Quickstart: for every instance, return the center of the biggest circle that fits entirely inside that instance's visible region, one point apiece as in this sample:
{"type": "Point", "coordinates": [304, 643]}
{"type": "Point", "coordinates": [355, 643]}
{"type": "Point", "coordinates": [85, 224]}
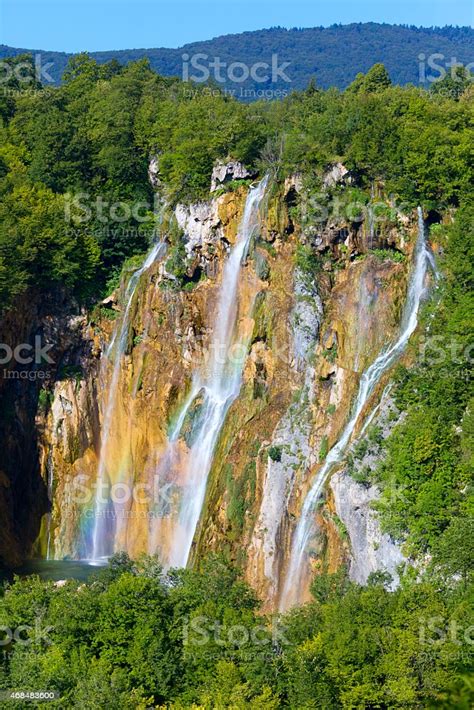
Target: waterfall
{"type": "Point", "coordinates": [305, 528]}
{"type": "Point", "coordinates": [50, 486]}
{"type": "Point", "coordinates": [371, 220]}
{"type": "Point", "coordinates": [50, 483]}
{"type": "Point", "coordinates": [214, 387]}
{"type": "Point", "coordinates": [293, 436]}
{"type": "Point", "coordinates": [102, 544]}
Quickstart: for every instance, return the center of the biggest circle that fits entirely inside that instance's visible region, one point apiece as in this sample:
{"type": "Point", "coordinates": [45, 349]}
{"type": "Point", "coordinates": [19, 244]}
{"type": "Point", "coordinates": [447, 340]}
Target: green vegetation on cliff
{"type": "Point", "coordinates": [427, 474]}
{"type": "Point", "coordinates": [74, 159]}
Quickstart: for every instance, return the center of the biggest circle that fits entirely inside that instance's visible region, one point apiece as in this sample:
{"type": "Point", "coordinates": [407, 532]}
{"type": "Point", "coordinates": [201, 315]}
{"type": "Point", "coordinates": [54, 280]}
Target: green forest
{"type": "Point", "coordinates": [94, 135]}
{"type": "Point", "coordinates": [195, 639]}
{"type": "Point", "coordinates": [132, 636]}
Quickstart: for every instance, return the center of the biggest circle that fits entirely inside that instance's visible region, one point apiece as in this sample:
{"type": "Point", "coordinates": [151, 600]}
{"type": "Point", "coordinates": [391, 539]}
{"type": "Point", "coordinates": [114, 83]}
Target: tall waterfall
{"type": "Point", "coordinates": [214, 387]}
{"type": "Point", "coordinates": [50, 487]}
{"type": "Point", "coordinates": [297, 566]}
{"type": "Point", "coordinates": [102, 536]}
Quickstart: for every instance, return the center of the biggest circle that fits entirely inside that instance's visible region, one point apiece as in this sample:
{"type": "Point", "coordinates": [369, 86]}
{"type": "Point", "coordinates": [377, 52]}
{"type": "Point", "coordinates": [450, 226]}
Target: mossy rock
{"type": "Point", "coordinates": [262, 267]}
{"type": "Point", "coordinates": [190, 430]}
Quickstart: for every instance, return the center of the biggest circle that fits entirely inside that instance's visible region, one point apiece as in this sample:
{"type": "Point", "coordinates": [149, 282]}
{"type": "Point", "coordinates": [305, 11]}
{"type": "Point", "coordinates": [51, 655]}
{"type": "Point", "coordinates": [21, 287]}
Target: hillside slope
{"type": "Point", "coordinates": [332, 55]}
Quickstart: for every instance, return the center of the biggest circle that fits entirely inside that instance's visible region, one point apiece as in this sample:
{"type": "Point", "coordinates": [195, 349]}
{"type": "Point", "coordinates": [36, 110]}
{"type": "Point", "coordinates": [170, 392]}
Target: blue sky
{"type": "Point", "coordinates": [74, 25]}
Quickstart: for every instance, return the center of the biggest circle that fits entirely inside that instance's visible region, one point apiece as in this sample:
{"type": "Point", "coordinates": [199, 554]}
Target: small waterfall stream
{"type": "Point", "coordinates": [297, 565]}
{"type": "Point", "coordinates": [50, 486]}
{"type": "Point", "coordinates": [102, 544]}
{"type": "Point", "coordinates": [214, 388]}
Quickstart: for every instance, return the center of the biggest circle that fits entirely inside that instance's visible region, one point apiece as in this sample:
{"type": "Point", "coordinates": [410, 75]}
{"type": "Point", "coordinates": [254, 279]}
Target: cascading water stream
{"type": "Point", "coordinates": [305, 528]}
{"type": "Point", "coordinates": [213, 390]}
{"type": "Point", "coordinates": [50, 485]}
{"type": "Point", "coordinates": [101, 547]}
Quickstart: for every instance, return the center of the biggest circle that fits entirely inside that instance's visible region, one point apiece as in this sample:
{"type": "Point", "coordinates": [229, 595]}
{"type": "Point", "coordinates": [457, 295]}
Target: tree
{"type": "Point", "coordinates": [376, 79]}
{"type": "Point", "coordinates": [454, 552]}
{"type": "Point", "coordinates": [454, 84]}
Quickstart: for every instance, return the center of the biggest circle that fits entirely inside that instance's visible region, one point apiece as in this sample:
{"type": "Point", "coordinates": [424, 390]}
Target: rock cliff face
{"type": "Point", "coordinates": [371, 550]}
{"type": "Point", "coordinates": [272, 445]}
{"type": "Point", "coordinates": [323, 307]}
{"type": "Point", "coordinates": [226, 172]}
{"type": "Point", "coordinates": [47, 332]}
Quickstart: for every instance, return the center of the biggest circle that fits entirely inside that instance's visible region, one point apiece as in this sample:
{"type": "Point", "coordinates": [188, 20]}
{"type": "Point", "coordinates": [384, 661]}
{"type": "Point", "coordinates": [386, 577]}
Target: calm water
{"type": "Point", "coordinates": [81, 570]}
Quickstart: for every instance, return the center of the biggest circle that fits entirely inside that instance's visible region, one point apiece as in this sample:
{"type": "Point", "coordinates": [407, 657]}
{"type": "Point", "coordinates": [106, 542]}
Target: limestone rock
{"type": "Point", "coordinates": [371, 550]}
{"type": "Point", "coordinates": [305, 321]}
{"type": "Point", "coordinates": [335, 175]}
{"type": "Point", "coordinates": [293, 183]}
{"type": "Point", "coordinates": [110, 301]}
{"type": "Point", "coordinates": [200, 222]}
{"type": "Point", "coordinates": [225, 172]}
{"type": "Point", "coordinates": [154, 172]}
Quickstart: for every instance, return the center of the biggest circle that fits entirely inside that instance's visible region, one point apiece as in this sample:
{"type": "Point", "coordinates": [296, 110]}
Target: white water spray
{"type": "Point", "coordinates": [50, 485]}
{"type": "Point", "coordinates": [214, 388]}
{"type": "Point", "coordinates": [305, 528]}
{"type": "Point", "coordinates": [101, 545]}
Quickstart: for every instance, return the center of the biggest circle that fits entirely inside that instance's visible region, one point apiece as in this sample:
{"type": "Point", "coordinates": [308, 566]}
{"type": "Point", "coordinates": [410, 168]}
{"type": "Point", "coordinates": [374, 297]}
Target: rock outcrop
{"type": "Point", "coordinates": [54, 324]}
{"type": "Point", "coordinates": [336, 174]}
{"type": "Point", "coordinates": [371, 550]}
{"type": "Point", "coordinates": [227, 171]}
{"type": "Point", "coordinates": [154, 172]}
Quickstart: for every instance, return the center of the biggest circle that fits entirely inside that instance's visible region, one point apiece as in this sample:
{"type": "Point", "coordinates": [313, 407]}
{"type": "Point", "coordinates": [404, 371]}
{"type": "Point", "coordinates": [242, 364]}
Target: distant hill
{"type": "Point", "coordinates": [331, 55]}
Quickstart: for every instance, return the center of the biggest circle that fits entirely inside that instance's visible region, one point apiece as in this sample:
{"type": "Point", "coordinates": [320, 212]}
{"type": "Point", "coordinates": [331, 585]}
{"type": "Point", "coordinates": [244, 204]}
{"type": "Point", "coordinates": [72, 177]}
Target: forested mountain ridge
{"type": "Point", "coordinates": [331, 55]}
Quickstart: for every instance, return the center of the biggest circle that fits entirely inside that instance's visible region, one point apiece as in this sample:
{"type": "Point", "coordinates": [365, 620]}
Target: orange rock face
{"type": "Point", "coordinates": [290, 409]}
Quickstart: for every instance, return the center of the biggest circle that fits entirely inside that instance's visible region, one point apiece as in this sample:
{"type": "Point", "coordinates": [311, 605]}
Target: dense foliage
{"type": "Point", "coordinates": [195, 639]}
{"type": "Point", "coordinates": [427, 474]}
{"type": "Point", "coordinates": [73, 159]}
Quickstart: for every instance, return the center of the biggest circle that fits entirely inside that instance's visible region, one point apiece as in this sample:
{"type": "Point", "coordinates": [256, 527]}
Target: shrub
{"type": "Point", "coordinates": [274, 452]}
{"type": "Point", "coordinates": [323, 449]}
